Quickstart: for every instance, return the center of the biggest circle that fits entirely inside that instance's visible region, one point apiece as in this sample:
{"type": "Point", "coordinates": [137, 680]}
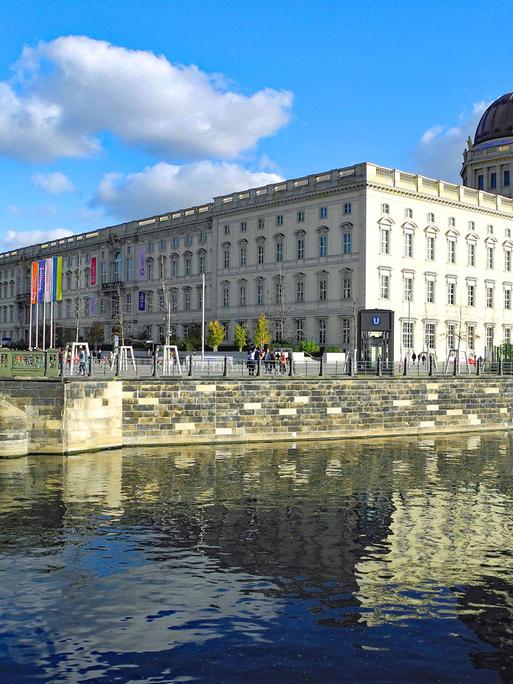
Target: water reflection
{"type": "Point", "coordinates": [338, 561]}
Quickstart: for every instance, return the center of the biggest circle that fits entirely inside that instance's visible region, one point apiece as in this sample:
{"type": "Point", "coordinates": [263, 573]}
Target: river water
{"type": "Point", "coordinates": [378, 561]}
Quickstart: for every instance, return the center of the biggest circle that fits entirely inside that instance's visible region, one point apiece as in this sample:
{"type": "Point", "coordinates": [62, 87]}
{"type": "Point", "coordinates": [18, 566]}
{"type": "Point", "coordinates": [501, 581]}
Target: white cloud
{"type": "Point", "coordinates": [68, 91]}
{"type": "Point", "coordinates": [440, 149]}
{"type": "Point", "coordinates": [53, 183]}
{"type": "Point", "coordinates": [164, 187]}
{"type": "Point", "coordinates": [22, 238]}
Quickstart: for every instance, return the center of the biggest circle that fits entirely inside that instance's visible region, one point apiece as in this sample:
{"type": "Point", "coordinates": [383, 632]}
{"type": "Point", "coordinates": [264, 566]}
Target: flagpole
{"type": "Point", "coordinates": [30, 326]}
{"type": "Point", "coordinates": [51, 341]}
{"type": "Point", "coordinates": [202, 316]}
{"type": "Point", "coordinates": [44, 324]}
{"type": "Point", "coordinates": [37, 323]}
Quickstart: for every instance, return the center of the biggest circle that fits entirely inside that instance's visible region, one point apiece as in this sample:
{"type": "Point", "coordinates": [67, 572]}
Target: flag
{"type": "Point", "coordinates": [33, 282]}
{"type": "Point", "coordinates": [142, 301]}
{"type": "Point", "coordinates": [41, 281]}
{"type": "Point", "coordinates": [142, 263]}
{"type": "Point", "coordinates": [93, 270]}
{"type": "Point", "coordinates": [57, 279]}
{"type": "Point", "coordinates": [48, 293]}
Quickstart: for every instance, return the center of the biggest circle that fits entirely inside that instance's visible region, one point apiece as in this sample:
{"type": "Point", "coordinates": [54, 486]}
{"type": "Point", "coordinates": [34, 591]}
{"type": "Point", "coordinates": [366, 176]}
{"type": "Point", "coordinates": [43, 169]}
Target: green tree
{"type": "Point", "coordinates": [215, 334]}
{"type": "Point", "coordinates": [95, 334]}
{"type": "Point", "coordinates": [240, 335]}
{"type": "Point", "coordinates": [310, 346]}
{"type": "Point", "coordinates": [262, 334]}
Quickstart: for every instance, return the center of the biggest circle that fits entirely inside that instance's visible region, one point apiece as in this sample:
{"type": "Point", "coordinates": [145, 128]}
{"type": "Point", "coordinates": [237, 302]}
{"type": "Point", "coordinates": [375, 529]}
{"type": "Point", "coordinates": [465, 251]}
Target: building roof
{"type": "Point", "coordinates": [497, 121]}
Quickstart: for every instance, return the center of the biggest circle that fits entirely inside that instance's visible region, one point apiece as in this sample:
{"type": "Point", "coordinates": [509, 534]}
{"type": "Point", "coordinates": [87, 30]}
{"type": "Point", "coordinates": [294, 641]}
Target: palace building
{"type": "Point", "coordinates": [308, 252]}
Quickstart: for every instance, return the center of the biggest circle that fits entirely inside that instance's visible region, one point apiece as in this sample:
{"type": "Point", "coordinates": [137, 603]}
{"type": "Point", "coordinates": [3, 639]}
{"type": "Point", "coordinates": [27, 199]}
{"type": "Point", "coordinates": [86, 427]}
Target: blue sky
{"type": "Point", "coordinates": [111, 110]}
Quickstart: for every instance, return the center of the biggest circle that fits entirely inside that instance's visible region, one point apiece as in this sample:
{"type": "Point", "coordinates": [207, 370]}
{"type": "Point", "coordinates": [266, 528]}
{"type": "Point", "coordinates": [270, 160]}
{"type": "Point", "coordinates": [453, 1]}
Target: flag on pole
{"type": "Point", "coordinates": [93, 270]}
{"type": "Point", "coordinates": [57, 279]}
{"type": "Point", "coordinates": [48, 293]}
{"type": "Point", "coordinates": [33, 282]}
{"type": "Point", "coordinates": [41, 281]}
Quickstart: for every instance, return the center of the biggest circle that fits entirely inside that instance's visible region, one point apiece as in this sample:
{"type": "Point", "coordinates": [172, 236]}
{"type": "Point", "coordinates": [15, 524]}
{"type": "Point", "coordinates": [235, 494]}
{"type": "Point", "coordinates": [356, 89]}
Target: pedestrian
{"type": "Point", "coordinates": [82, 361]}
{"type": "Point", "coordinates": [414, 357]}
{"type": "Point", "coordinates": [283, 362]}
{"type": "Point", "coordinates": [250, 362]}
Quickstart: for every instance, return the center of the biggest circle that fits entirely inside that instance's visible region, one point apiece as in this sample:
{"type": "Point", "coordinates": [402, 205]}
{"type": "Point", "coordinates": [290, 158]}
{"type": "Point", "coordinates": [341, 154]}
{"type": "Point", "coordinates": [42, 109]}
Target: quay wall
{"type": "Point", "coordinates": [66, 416]}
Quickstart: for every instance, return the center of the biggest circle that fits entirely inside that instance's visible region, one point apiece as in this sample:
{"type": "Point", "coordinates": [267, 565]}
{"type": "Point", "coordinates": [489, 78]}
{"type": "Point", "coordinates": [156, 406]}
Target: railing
{"type": "Point", "coordinates": [31, 364]}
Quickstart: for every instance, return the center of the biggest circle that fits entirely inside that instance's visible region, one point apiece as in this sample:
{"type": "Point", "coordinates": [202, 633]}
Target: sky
{"type": "Point", "coordinates": [113, 110]}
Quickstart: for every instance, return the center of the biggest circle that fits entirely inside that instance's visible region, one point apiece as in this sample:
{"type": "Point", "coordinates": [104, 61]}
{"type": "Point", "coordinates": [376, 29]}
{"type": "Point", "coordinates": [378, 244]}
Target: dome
{"type": "Point", "coordinates": [497, 121]}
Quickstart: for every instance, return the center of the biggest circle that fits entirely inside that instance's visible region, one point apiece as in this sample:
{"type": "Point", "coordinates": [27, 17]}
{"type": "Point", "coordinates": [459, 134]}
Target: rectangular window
{"type": "Point", "coordinates": [128, 302]}
{"type": "Point", "coordinates": [279, 251]}
{"type": "Point", "coordinates": [408, 244]}
{"type": "Point", "coordinates": [260, 253]}
{"type": "Point", "coordinates": [471, 254]}
{"type": "Point", "coordinates": [385, 241]}
{"type": "Point", "coordinates": [507, 299]}
{"type": "Point", "coordinates": [385, 286]}
{"type": "Point", "coordinates": [226, 295]}
{"type": "Point", "coordinates": [323, 289]}
{"type": "Point", "coordinates": [489, 337]}
{"type": "Point", "coordinates": [346, 331]}
{"type": "Point", "coordinates": [451, 251]}
{"type": "Point", "coordinates": [279, 220]}
{"type": "Point", "coordinates": [471, 294]}
{"type": "Point", "coordinates": [346, 287]}
{"type": "Point", "coordinates": [201, 263]}
{"type": "Point", "coordinates": [430, 291]}
{"type": "Point", "coordinates": [430, 336]}
{"type": "Point", "coordinates": [408, 213]}
{"type": "Point", "coordinates": [227, 229]}
{"type": "Point", "coordinates": [489, 297]}
{"type": "Point", "coordinates": [430, 248]}
{"type": "Point", "coordinates": [323, 212]}
{"type": "Point", "coordinates": [129, 270]}
{"type": "Point", "coordinates": [260, 293]}
{"type": "Point", "coordinates": [300, 329]}
{"type": "Point", "coordinates": [243, 256]}
{"type": "Point", "coordinates": [174, 300]}
{"type": "Point", "coordinates": [471, 337]}
{"type": "Point", "coordinates": [507, 260]}
{"type": "Point", "coordinates": [323, 245]}
{"type": "Point", "coordinates": [300, 216]}
{"type": "Point", "coordinates": [226, 258]}
{"type": "Point", "coordinates": [407, 335]}
{"type": "Point", "coordinates": [451, 336]}
{"type": "Point", "coordinates": [174, 268]}
{"type": "Point", "coordinates": [451, 293]}
{"type": "Point", "coordinates": [243, 227]}
{"type": "Point", "coordinates": [347, 208]}
{"type": "Point", "coordinates": [300, 291]}
{"type": "Point", "coordinates": [506, 179]}
{"type": "Point", "coordinates": [176, 241]}
{"type": "Point", "coordinates": [242, 295]}
{"type": "Point", "coordinates": [385, 209]}
{"type": "Point", "coordinates": [322, 331]}
{"type": "Point", "coordinates": [300, 248]}
{"type": "Point", "coordinates": [493, 181]}
{"type": "Point", "coordinates": [507, 335]}
{"type": "Point", "coordinates": [480, 182]}
{"type": "Point", "coordinates": [162, 245]}
{"type": "Point", "coordinates": [408, 289]}
{"type": "Point", "coordinates": [489, 257]}
{"type": "Point", "coordinates": [261, 223]}
{"type": "Point", "coordinates": [187, 300]}
{"type": "Point", "coordinates": [347, 242]}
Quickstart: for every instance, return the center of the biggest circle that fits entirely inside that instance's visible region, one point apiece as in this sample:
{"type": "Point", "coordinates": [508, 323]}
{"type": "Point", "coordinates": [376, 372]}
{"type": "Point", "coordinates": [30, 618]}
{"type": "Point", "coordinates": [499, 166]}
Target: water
{"type": "Point", "coordinates": [386, 561]}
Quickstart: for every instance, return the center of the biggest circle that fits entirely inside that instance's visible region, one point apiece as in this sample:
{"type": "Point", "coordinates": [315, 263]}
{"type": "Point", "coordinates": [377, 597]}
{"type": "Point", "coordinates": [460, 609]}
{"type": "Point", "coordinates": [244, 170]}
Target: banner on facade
{"type": "Point", "coordinates": [142, 263]}
{"type": "Point", "coordinates": [41, 281]}
{"type": "Point", "coordinates": [34, 273]}
{"type": "Point", "coordinates": [142, 301]}
{"type": "Point", "coordinates": [93, 270]}
{"type": "Point", "coordinates": [48, 293]}
{"type": "Point", "coordinates": [57, 279]}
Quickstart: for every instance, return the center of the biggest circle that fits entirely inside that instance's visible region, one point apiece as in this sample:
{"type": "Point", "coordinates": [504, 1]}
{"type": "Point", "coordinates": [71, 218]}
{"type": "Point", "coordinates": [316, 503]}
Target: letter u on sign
{"type": "Point", "coordinates": [376, 320]}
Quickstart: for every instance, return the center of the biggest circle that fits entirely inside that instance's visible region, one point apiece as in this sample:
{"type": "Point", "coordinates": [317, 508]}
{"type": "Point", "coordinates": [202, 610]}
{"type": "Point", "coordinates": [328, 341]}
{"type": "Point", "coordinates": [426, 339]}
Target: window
{"type": "Point", "coordinates": [300, 247]}
{"type": "Point", "coordinates": [300, 329]}
{"type": "Point", "coordinates": [408, 244]}
{"type": "Point", "coordinates": [322, 331]}
{"type": "Point", "coordinates": [260, 292]}
{"type": "Point", "coordinates": [451, 251]}
{"type": "Point", "coordinates": [129, 270]}
{"type": "Point", "coordinates": [174, 266]}
{"type": "Point", "coordinates": [471, 294]}
{"type": "Point", "coordinates": [346, 331]}
{"type": "Point", "coordinates": [176, 241]}
{"type": "Point", "coordinates": [150, 247]}
{"type": "Point", "coordinates": [278, 289]}
{"type": "Point", "coordinates": [162, 301]}
{"type": "Point", "coordinates": [471, 337]}
{"type": "Point", "coordinates": [279, 220]}
{"type": "Point", "coordinates": [242, 294]}
{"type": "Point", "coordinates": [507, 232]}
{"type": "Point", "coordinates": [188, 264]}
{"type": "Point", "coordinates": [243, 255]}
{"type": "Point", "coordinates": [323, 289]}
{"type": "Point", "coordinates": [323, 245]}
{"type": "Point", "coordinates": [489, 257]}
{"type": "Point", "coordinates": [471, 254]}
{"type": "Point", "coordinates": [506, 179]}
{"type": "Point", "coordinates": [323, 212]}
{"type": "Point", "coordinates": [430, 291]}
{"type": "Point", "coordinates": [149, 302]}
{"type": "Point", "coordinates": [226, 257]}
{"type": "Point", "coordinates": [200, 297]}
{"type": "Point", "coordinates": [87, 307]}
{"type": "Point", "coordinates": [243, 227]}
{"type": "Point", "coordinates": [150, 269]}
{"type": "Point", "coordinates": [471, 225]}
{"type": "Point", "coordinates": [300, 216]}
{"type": "Point", "coordinates": [431, 217]}
{"type": "Point", "coordinates": [507, 335]}
{"type": "Point", "coordinates": [347, 208]}
{"type": "Point", "coordinates": [347, 242]}
{"type": "Point", "coordinates": [407, 335]}
{"type": "Point", "coordinates": [226, 295]}
{"type": "Point", "coordinates": [261, 223]}
{"type": "Point", "coordinates": [279, 250]}
{"type": "Point", "coordinates": [430, 336]}
{"type": "Point", "coordinates": [188, 239]}
{"type": "Point", "coordinates": [489, 229]}
{"type": "Point", "coordinates": [385, 209]}
{"type": "Point", "coordinates": [480, 182]}
{"type": "Point", "coordinates": [202, 239]}
{"type": "Point", "coordinates": [493, 181]}
{"type": "Point", "coordinates": [300, 291]}
{"type": "Point", "coordinates": [174, 300]}
{"type": "Point", "coordinates": [227, 229]}
{"type": "Point", "coordinates": [451, 293]}
{"type": "Point", "coordinates": [385, 286]}
{"type": "Point", "coordinates": [162, 245]}
{"type": "Point", "coordinates": [507, 260]}
{"type": "Point", "coordinates": [260, 253]}
{"type": "Point", "coordinates": [162, 267]}
{"type": "Point", "coordinates": [408, 289]}
{"type": "Point", "coordinates": [385, 240]}
{"type": "Point", "coordinates": [408, 213]}
{"type": "Point", "coordinates": [430, 248]}
{"type": "Point", "coordinates": [489, 337]}
{"type": "Point", "coordinates": [451, 336]}
{"type": "Point", "coordinates": [489, 297]}
{"type": "Point", "coordinates": [202, 262]}
{"type": "Point", "coordinates": [507, 298]}
{"type": "Point", "coordinates": [187, 299]}
{"type": "Point", "coordinates": [346, 287]}
{"type": "Point", "coordinates": [452, 221]}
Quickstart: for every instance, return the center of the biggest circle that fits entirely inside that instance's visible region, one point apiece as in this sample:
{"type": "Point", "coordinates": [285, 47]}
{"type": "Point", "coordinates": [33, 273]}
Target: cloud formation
{"type": "Point", "coordinates": [54, 183]}
{"type": "Point", "coordinates": [22, 238]}
{"type": "Point", "coordinates": [164, 187]}
{"type": "Point", "coordinates": [440, 149]}
{"type": "Point", "coordinates": [68, 91]}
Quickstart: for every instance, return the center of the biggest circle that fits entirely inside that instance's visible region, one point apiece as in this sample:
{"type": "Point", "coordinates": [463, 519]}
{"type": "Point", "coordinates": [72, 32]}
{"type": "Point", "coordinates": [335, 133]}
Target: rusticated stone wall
{"type": "Point", "coordinates": [64, 416]}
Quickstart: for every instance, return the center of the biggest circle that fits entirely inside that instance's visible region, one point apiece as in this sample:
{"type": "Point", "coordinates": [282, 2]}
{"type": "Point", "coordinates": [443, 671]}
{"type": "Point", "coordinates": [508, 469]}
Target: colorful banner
{"type": "Point", "coordinates": [93, 270]}
{"type": "Point", "coordinates": [142, 263]}
{"type": "Point", "coordinates": [41, 281]}
{"type": "Point", "coordinates": [33, 282]}
{"type": "Point", "coordinates": [57, 279]}
{"type": "Point", "coordinates": [142, 301]}
{"type": "Point", "coordinates": [48, 293]}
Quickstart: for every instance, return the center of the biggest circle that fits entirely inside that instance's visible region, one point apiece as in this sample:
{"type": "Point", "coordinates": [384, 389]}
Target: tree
{"type": "Point", "coordinates": [240, 335]}
{"type": "Point", "coordinates": [310, 346]}
{"type": "Point", "coordinates": [215, 334]}
{"type": "Point", "coordinates": [95, 333]}
{"type": "Point", "coordinates": [262, 334]}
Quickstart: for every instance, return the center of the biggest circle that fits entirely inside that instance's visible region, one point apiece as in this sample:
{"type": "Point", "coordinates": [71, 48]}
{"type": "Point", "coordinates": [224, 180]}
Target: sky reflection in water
{"type": "Point", "coordinates": [387, 561]}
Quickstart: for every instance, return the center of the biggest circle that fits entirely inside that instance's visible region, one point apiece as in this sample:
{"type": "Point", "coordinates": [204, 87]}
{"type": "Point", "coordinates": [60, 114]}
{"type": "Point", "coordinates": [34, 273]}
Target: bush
{"type": "Point", "coordinates": [333, 348]}
{"type": "Point", "coordinates": [310, 347]}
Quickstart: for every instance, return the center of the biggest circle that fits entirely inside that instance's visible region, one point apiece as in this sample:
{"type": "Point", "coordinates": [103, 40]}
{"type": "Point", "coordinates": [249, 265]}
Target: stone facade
{"type": "Point", "coordinates": [66, 417]}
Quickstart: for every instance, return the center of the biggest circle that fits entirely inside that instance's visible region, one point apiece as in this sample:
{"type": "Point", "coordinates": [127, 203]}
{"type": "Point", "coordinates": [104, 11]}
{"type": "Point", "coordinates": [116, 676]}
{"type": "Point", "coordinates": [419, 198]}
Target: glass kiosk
{"type": "Point", "coordinates": [375, 339]}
